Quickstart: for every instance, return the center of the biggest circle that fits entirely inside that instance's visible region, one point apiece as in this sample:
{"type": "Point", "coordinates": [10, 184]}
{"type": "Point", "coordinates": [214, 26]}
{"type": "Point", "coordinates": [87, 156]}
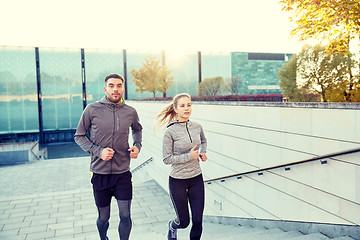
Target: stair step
{"type": "Point", "coordinates": [313, 236]}
{"type": "Point", "coordinates": [256, 235]}
{"type": "Point", "coordinates": [283, 235]}
{"type": "Point", "coordinates": [343, 238]}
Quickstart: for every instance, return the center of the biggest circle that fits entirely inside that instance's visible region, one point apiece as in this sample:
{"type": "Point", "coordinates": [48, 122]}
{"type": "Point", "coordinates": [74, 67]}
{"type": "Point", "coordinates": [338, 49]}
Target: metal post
{"type": "Point", "coordinates": [83, 77]}
{"type": "Point", "coordinates": [125, 73]}
{"type": "Point", "coordinates": [199, 65]}
{"type": "Point", "coordinates": [39, 96]}
{"type": "Point", "coordinates": [163, 63]}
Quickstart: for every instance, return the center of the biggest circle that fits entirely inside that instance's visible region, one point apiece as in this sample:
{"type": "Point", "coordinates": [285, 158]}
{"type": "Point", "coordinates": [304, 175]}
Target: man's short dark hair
{"type": "Point", "coordinates": [114, 75]}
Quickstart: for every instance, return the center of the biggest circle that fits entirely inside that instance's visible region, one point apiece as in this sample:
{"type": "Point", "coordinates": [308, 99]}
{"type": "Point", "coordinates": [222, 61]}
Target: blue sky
{"type": "Point", "coordinates": [187, 25]}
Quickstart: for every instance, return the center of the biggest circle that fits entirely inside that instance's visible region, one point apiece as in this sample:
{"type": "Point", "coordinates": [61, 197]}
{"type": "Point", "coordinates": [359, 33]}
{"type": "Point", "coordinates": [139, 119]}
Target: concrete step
{"type": "Point", "coordinates": [343, 238]}
{"type": "Point", "coordinates": [258, 234]}
{"type": "Point", "coordinates": [214, 231]}
{"type": "Point", "coordinates": [313, 236]}
{"type": "Point", "coordinates": [281, 235]}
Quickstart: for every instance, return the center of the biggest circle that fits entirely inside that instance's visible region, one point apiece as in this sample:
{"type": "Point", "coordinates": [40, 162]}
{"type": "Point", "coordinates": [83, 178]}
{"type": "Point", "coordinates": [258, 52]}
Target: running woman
{"type": "Point", "coordinates": [184, 145]}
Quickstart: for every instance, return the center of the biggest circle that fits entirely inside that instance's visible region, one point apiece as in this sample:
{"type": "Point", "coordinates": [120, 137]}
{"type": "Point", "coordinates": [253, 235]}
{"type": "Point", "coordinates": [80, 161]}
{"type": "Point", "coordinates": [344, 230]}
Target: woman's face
{"type": "Point", "coordinates": [183, 109]}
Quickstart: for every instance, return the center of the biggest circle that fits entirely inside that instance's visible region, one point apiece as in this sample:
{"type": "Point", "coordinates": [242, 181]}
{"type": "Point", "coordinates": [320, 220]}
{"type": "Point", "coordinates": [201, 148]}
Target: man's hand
{"type": "Point", "coordinates": [107, 154]}
{"type": "Point", "coordinates": [134, 152]}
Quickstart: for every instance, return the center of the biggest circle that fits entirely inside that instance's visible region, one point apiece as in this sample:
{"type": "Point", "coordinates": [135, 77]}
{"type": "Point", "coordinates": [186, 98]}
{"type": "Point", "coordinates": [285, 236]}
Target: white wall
{"type": "Point", "coordinates": [246, 137]}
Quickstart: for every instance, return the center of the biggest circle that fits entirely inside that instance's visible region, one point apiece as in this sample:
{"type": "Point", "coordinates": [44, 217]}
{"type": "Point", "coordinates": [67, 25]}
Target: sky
{"type": "Point", "coordinates": [186, 25]}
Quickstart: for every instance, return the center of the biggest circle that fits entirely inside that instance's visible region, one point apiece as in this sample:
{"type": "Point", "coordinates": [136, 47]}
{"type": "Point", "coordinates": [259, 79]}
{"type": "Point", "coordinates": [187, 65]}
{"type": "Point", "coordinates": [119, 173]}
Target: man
{"type": "Point", "coordinates": [109, 121]}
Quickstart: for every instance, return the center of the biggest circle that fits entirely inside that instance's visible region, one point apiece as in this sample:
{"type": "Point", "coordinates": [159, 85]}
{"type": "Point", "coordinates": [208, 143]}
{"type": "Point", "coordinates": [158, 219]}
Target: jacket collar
{"type": "Point", "coordinates": [176, 122]}
{"type": "Point", "coordinates": [104, 100]}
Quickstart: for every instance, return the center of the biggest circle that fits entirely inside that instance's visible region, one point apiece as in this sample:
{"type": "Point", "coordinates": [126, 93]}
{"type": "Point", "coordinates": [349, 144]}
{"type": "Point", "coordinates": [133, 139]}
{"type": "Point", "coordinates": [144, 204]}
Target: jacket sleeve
{"type": "Point", "coordinates": [168, 151]}
{"type": "Point", "coordinates": [136, 130]}
{"type": "Point", "coordinates": [81, 138]}
{"type": "Point", "coordinates": [203, 141]}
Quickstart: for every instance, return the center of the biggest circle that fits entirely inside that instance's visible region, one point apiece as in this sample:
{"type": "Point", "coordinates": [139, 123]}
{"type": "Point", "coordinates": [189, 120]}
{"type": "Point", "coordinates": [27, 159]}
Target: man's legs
{"type": "Point", "coordinates": [125, 219]}
{"type": "Point", "coordinates": [102, 196]}
{"type": "Point", "coordinates": [102, 222]}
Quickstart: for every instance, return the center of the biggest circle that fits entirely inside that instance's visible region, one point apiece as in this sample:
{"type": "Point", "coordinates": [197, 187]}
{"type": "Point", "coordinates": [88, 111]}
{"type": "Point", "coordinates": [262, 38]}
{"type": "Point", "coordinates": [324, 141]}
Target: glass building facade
{"type": "Point", "coordinates": [44, 90]}
{"type": "Point", "coordinates": [258, 71]}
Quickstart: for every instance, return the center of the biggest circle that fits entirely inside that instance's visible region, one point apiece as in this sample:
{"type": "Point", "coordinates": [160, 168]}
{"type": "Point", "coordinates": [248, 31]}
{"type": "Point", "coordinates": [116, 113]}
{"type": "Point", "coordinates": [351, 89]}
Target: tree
{"type": "Point", "coordinates": [287, 77]}
{"type": "Point", "coordinates": [152, 77]}
{"type": "Point", "coordinates": [166, 81]}
{"type": "Point", "coordinates": [233, 85]}
{"type": "Point", "coordinates": [314, 71]}
{"type": "Point", "coordinates": [333, 20]}
{"type": "Point", "coordinates": [288, 84]}
{"type": "Point", "coordinates": [211, 86]}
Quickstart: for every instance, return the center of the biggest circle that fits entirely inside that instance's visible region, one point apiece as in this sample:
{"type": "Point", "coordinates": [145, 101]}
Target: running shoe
{"type": "Point", "coordinates": [172, 232]}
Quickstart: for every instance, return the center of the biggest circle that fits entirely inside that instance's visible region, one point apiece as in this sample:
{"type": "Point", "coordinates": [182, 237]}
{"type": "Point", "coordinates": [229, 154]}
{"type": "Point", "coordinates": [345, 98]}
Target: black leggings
{"type": "Point", "coordinates": [184, 192]}
{"type": "Point", "coordinates": [125, 223]}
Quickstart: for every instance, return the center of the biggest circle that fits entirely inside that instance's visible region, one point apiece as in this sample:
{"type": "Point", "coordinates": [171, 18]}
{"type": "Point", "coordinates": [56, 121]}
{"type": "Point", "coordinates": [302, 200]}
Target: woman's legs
{"type": "Point", "coordinates": [196, 195]}
{"type": "Point", "coordinates": [182, 192]}
{"type": "Point", "coordinates": [102, 222]}
{"type": "Point", "coordinates": [125, 219]}
{"type": "Point", "coordinates": [179, 197]}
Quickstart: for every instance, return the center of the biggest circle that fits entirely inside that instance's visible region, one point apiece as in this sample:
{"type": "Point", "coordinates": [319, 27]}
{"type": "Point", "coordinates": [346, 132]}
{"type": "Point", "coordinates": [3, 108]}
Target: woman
{"type": "Point", "coordinates": [184, 144]}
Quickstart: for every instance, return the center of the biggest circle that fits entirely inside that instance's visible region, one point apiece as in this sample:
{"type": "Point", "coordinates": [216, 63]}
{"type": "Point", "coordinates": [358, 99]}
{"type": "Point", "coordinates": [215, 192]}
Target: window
{"type": "Point", "coordinates": [266, 56]}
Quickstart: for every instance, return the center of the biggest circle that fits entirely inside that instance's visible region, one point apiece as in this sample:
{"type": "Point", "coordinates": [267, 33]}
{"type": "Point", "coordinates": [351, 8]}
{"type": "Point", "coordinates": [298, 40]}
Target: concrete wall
{"type": "Point", "coordinates": [20, 152]}
{"type": "Point", "coordinates": [249, 136]}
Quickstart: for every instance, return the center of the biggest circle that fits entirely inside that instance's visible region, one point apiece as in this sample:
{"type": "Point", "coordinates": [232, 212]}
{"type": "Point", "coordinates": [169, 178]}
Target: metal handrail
{"type": "Point", "coordinates": [142, 165]}
{"type": "Point", "coordinates": [331, 155]}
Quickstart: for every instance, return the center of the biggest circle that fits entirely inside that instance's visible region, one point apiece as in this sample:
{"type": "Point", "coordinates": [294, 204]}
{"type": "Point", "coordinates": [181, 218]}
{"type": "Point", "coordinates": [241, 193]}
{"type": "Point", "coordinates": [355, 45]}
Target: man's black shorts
{"type": "Point", "coordinates": [107, 185]}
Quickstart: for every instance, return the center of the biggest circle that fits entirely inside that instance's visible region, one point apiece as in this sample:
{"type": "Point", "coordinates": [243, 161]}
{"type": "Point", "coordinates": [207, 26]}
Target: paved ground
{"type": "Point", "coordinates": [52, 199]}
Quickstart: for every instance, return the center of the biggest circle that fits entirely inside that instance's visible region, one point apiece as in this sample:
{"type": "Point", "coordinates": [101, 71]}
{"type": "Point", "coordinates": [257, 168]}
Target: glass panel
{"type": "Point", "coordinates": [135, 60]}
{"type": "Point", "coordinates": [99, 64]}
{"type": "Point", "coordinates": [216, 64]}
{"type": "Point", "coordinates": [259, 76]}
{"type": "Point", "coordinates": [61, 87]}
{"type": "Point", "coordinates": [184, 67]}
{"type": "Point", "coordinates": [18, 99]}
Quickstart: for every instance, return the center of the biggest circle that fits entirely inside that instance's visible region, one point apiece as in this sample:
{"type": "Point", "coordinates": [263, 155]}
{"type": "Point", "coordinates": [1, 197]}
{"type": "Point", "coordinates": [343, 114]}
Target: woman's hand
{"type": "Point", "coordinates": [194, 153]}
{"type": "Point", "coordinates": [203, 157]}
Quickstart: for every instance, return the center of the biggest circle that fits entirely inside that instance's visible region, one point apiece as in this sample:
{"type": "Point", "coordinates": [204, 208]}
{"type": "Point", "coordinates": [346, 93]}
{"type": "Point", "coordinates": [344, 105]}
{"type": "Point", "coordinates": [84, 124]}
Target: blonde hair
{"type": "Point", "coordinates": [167, 114]}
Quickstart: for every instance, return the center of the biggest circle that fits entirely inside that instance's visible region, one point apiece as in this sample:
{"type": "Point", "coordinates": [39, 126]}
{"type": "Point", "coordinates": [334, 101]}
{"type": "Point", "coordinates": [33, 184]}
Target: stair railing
{"type": "Point", "coordinates": [321, 158]}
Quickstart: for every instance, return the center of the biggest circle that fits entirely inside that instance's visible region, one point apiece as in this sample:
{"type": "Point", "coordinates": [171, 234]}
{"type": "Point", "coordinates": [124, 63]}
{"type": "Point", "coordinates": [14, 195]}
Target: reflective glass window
{"type": "Point", "coordinates": [135, 60]}
{"type": "Point", "coordinates": [61, 86]}
{"type": "Point", "coordinates": [99, 64]}
{"type": "Point", "coordinates": [216, 64]}
{"type": "Point", "coordinates": [18, 87]}
{"type": "Point", "coordinates": [184, 67]}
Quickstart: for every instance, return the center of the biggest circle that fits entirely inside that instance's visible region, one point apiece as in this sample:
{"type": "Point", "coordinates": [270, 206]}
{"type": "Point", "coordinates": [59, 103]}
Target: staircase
{"type": "Point", "coordinates": [151, 224]}
{"type": "Point", "coordinates": [213, 231]}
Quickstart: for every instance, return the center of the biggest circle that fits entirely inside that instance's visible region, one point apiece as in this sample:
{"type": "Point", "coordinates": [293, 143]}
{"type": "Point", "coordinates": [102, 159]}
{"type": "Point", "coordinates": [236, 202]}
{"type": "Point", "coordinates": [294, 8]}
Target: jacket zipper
{"type": "Point", "coordinates": [186, 125]}
{"type": "Point", "coordinates": [112, 141]}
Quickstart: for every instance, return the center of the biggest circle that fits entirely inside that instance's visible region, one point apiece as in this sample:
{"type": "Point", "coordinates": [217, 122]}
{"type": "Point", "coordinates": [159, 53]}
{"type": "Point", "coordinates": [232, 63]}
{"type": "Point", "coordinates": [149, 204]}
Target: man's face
{"type": "Point", "coordinates": [114, 89]}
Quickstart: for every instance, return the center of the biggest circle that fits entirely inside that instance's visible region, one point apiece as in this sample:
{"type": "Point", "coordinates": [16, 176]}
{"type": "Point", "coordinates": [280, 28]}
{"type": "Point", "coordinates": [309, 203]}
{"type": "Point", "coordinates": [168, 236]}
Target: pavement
{"type": "Point", "coordinates": [52, 199]}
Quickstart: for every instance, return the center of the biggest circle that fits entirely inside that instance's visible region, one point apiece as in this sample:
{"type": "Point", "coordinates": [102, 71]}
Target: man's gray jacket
{"type": "Point", "coordinates": [109, 125]}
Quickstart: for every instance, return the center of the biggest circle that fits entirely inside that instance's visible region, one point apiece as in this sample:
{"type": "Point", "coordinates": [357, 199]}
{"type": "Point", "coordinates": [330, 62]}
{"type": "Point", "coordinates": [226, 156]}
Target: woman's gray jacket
{"type": "Point", "coordinates": [179, 139]}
